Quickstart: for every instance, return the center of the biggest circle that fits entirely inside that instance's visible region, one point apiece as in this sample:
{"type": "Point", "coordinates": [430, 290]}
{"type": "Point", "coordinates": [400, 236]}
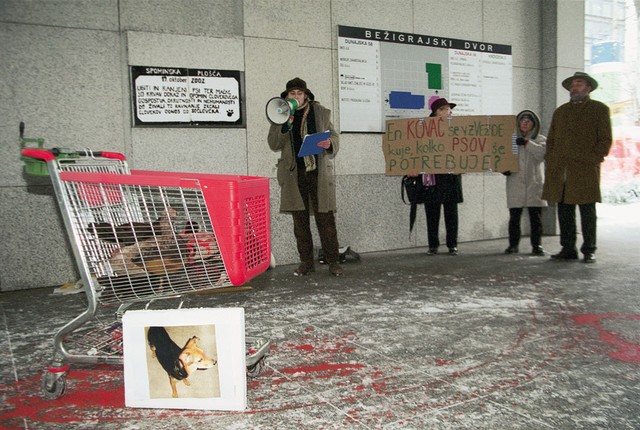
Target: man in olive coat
{"type": "Point", "coordinates": [578, 140]}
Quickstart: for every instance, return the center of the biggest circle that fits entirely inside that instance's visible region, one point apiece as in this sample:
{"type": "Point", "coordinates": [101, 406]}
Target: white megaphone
{"type": "Point", "coordinates": [279, 110]}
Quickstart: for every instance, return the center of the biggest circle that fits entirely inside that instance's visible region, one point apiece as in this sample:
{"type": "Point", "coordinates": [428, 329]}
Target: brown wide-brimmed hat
{"type": "Point", "coordinates": [580, 75]}
{"type": "Point", "coordinates": [437, 104]}
{"type": "Point", "coordinates": [297, 84]}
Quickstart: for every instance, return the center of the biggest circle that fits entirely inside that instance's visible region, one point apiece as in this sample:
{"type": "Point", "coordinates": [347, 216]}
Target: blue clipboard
{"type": "Point", "coordinates": [310, 143]}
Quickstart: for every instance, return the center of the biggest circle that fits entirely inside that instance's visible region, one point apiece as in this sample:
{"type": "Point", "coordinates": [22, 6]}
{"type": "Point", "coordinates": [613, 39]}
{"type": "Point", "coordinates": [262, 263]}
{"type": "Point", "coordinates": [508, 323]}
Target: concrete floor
{"type": "Point", "coordinates": [403, 341]}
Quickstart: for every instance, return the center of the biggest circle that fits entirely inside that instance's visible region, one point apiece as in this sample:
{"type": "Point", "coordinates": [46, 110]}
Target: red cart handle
{"type": "Point", "coordinates": [50, 154]}
{"type": "Point", "coordinates": [41, 154]}
{"type": "Point", "coordinates": [103, 154]}
{"type": "Point", "coordinates": [114, 155]}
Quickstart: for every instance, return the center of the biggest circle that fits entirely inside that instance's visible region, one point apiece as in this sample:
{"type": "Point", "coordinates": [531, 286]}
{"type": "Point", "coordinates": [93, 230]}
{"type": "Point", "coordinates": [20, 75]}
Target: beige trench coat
{"type": "Point", "coordinates": [290, 199]}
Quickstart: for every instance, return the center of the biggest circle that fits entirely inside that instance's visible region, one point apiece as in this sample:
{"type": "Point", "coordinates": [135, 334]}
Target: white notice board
{"type": "Point", "coordinates": [387, 75]}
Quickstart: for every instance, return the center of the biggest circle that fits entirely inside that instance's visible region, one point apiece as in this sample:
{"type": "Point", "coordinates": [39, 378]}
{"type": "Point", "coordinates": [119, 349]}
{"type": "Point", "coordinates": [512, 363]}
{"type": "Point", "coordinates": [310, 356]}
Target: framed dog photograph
{"type": "Point", "coordinates": [185, 359]}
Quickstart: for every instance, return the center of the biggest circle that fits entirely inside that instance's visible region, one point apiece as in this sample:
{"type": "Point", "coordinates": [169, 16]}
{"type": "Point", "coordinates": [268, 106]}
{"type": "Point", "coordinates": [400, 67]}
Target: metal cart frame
{"type": "Point", "coordinates": [138, 236]}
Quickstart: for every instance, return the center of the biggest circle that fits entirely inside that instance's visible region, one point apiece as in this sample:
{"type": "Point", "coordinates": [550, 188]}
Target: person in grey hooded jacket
{"type": "Point", "coordinates": [524, 188]}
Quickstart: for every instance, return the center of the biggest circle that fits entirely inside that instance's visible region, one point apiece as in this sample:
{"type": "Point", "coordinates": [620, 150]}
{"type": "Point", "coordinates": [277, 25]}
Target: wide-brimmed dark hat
{"type": "Point", "coordinates": [297, 84]}
{"type": "Point", "coordinates": [437, 104]}
{"type": "Point", "coordinates": [580, 75]}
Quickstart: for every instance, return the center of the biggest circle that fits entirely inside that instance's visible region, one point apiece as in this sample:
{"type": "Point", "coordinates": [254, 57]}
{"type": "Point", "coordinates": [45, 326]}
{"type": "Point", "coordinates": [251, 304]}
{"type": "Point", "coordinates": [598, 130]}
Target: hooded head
{"type": "Point", "coordinates": [534, 118]}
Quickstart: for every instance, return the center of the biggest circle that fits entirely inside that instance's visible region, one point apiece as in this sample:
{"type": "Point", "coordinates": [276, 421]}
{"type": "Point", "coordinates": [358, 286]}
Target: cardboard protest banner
{"type": "Point", "coordinates": [450, 145]}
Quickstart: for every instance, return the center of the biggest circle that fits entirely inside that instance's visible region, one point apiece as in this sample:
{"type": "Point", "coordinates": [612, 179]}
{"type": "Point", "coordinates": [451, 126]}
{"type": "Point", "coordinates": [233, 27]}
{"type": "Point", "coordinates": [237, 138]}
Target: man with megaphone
{"type": "Point", "coordinates": [307, 181]}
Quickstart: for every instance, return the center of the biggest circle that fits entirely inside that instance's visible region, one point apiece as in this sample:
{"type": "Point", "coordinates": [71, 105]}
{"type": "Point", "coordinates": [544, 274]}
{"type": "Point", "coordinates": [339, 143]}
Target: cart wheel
{"type": "Point", "coordinates": [256, 369]}
{"type": "Point", "coordinates": [53, 384]}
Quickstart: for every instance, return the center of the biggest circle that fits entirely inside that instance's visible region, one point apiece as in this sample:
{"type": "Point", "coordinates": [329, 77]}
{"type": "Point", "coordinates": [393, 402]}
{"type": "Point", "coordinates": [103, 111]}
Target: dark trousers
{"type": "Point", "coordinates": [432, 211]}
{"type": "Point", "coordinates": [325, 222]}
{"type": "Point", "coordinates": [568, 231]}
{"type": "Point", "coordinates": [535, 218]}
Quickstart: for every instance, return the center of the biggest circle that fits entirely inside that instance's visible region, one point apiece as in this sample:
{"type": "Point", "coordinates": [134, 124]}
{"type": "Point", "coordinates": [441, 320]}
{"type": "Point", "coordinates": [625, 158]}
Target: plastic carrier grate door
{"type": "Point", "coordinates": [149, 234]}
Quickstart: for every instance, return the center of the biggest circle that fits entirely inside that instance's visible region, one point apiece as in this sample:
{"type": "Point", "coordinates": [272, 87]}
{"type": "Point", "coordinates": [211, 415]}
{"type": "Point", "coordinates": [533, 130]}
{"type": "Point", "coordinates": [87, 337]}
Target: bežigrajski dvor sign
{"type": "Point", "coordinates": [384, 75]}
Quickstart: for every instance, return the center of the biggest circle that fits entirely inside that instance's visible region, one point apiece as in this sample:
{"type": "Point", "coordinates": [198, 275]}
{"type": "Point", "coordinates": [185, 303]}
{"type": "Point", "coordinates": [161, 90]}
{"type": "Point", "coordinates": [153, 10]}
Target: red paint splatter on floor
{"type": "Point", "coordinates": [324, 345]}
{"type": "Point", "coordinates": [305, 347]}
{"type": "Point", "coordinates": [89, 391]}
{"type": "Point", "coordinates": [93, 396]}
{"type": "Point", "coordinates": [325, 370]}
{"type": "Point", "coordinates": [625, 350]}
{"type": "Point", "coordinates": [252, 384]}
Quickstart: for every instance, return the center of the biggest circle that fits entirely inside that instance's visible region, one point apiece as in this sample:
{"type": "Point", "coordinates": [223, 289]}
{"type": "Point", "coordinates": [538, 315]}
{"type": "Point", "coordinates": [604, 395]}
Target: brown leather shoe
{"type": "Point", "coordinates": [304, 269]}
{"type": "Point", "coordinates": [336, 269]}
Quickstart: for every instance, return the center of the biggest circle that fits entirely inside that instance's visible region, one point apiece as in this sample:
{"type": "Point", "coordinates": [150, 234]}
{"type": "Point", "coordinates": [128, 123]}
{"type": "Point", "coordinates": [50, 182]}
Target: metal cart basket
{"type": "Point", "coordinates": [138, 236]}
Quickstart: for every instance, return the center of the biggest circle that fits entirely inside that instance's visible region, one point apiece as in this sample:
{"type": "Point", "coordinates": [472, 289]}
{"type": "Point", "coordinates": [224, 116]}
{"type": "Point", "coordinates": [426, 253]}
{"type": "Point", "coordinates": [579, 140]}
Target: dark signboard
{"type": "Point", "coordinates": [175, 96]}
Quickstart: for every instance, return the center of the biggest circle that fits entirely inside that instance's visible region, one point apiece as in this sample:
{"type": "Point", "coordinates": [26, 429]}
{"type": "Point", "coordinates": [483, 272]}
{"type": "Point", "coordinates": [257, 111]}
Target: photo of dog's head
{"type": "Point", "coordinates": [179, 353]}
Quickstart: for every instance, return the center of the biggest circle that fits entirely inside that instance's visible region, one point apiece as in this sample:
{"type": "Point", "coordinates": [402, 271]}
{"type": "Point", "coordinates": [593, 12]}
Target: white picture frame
{"type": "Point", "coordinates": [218, 349]}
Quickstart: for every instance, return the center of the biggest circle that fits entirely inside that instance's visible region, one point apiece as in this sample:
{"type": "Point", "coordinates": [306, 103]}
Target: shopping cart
{"type": "Point", "coordinates": [138, 236]}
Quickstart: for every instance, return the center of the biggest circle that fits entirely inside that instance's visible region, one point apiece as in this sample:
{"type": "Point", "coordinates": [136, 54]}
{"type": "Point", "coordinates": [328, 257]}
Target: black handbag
{"type": "Point", "coordinates": [413, 189]}
{"type": "Point", "coordinates": [416, 194]}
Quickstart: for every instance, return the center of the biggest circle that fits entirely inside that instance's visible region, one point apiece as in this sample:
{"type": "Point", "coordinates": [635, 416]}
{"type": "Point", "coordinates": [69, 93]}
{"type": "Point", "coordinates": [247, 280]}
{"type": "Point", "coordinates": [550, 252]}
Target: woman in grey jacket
{"type": "Point", "coordinates": [524, 188]}
{"type": "Point", "coordinates": [307, 183]}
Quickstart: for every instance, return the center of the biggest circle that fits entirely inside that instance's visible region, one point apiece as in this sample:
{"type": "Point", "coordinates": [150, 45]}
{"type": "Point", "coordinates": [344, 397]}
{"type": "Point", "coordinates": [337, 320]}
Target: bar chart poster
{"type": "Point", "coordinates": [385, 75]}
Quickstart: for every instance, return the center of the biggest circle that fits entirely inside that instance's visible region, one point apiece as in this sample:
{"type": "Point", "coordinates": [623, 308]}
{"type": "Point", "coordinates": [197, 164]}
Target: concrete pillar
{"type": "Point", "coordinates": [562, 55]}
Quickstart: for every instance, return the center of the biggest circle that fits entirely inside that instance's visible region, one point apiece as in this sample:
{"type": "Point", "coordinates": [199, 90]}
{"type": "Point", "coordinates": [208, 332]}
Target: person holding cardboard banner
{"type": "Point", "coordinates": [442, 190]}
{"type": "Point", "coordinates": [579, 138]}
{"type": "Point", "coordinates": [307, 182]}
{"type": "Point", "coordinates": [524, 188]}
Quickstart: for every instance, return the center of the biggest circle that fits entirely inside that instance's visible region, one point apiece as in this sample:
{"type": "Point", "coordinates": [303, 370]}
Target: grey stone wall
{"type": "Point", "coordinates": [65, 73]}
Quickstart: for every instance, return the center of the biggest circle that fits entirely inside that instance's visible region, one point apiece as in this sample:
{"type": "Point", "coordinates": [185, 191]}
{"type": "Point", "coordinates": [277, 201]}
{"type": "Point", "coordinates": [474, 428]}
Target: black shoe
{"type": "Point", "coordinates": [432, 251]}
{"type": "Point", "coordinates": [589, 258]}
{"type": "Point", "coordinates": [343, 254]}
{"type": "Point", "coordinates": [566, 255]}
{"type": "Point", "coordinates": [453, 251]}
{"type": "Point", "coordinates": [511, 250]}
{"type": "Point", "coordinates": [537, 250]}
